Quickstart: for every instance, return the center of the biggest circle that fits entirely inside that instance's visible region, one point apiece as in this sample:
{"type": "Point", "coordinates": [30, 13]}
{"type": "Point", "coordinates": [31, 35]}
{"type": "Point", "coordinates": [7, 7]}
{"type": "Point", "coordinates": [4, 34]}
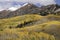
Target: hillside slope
{"type": "Point", "coordinates": [30, 27]}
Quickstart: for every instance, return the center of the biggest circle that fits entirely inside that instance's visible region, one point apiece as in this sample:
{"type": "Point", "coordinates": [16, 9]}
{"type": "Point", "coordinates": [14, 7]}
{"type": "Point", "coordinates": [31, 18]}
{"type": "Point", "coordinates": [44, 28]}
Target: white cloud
{"type": "Point", "coordinates": [47, 2]}
{"type": "Point", "coordinates": [43, 2]}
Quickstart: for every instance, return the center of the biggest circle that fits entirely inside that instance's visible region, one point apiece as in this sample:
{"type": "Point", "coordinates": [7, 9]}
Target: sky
{"type": "Point", "coordinates": [14, 4]}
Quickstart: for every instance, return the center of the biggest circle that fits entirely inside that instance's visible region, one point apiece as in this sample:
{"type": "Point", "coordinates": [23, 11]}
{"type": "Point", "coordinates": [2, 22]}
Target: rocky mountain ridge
{"type": "Point", "coordinates": [31, 9]}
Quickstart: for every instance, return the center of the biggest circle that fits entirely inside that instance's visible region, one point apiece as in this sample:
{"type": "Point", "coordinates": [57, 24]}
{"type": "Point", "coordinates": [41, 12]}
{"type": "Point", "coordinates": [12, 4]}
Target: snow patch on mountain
{"type": "Point", "coordinates": [25, 4]}
{"type": "Point", "coordinates": [17, 7]}
{"type": "Point", "coordinates": [14, 8]}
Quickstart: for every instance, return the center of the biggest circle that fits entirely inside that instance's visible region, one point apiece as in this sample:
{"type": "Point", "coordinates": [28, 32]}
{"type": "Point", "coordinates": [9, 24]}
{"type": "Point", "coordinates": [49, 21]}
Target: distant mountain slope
{"type": "Point", "coordinates": [4, 13]}
{"type": "Point", "coordinates": [29, 8]}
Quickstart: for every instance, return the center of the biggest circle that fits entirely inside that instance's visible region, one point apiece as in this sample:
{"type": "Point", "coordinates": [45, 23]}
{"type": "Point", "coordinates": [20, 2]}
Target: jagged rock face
{"type": "Point", "coordinates": [57, 11]}
{"type": "Point", "coordinates": [50, 8]}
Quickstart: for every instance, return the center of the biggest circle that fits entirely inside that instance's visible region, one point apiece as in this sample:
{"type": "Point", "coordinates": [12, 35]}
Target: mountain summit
{"type": "Point", "coordinates": [29, 8]}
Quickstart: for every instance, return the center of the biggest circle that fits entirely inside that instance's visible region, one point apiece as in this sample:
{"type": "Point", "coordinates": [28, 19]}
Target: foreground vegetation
{"type": "Point", "coordinates": [41, 27]}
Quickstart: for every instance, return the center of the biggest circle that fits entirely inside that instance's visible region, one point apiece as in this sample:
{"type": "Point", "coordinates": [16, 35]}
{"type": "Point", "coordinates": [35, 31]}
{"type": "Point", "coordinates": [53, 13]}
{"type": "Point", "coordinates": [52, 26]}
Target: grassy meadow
{"type": "Point", "coordinates": [35, 27]}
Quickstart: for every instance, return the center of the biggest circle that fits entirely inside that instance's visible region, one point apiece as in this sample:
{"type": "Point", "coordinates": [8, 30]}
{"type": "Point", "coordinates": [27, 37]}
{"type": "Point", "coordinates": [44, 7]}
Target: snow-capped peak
{"type": "Point", "coordinates": [14, 8]}
{"type": "Point", "coordinates": [1, 9]}
{"type": "Point", "coordinates": [25, 4]}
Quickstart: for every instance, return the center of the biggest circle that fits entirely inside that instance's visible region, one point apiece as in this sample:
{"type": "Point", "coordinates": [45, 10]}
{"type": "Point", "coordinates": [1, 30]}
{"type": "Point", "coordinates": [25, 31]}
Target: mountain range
{"type": "Point", "coordinates": [30, 22]}
{"type": "Point", "coordinates": [29, 8]}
